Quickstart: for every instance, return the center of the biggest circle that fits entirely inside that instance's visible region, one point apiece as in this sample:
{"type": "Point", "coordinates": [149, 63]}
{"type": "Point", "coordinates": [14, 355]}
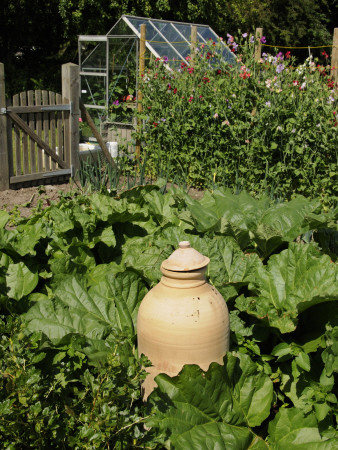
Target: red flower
{"type": "Point", "coordinates": [325, 54]}
{"type": "Point", "coordinates": [175, 90]}
{"type": "Point", "coordinates": [191, 69]}
{"type": "Point", "coordinates": [155, 124]}
{"type": "Point", "coordinates": [288, 54]}
{"type": "Point", "coordinates": [330, 84]}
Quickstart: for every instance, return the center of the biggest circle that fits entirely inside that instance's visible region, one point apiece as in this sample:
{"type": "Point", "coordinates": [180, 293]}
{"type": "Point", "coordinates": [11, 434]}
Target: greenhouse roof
{"type": "Point", "coordinates": [166, 38]}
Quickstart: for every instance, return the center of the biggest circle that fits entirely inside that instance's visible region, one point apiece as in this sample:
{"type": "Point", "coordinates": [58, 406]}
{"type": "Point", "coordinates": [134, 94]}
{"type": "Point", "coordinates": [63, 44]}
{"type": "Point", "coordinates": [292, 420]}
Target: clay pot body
{"type": "Point", "coordinates": [182, 320]}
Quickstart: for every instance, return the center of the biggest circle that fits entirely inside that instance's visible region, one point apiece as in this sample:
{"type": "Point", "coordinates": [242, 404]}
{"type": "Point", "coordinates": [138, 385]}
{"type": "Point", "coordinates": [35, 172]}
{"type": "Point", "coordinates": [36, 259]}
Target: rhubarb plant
{"type": "Point", "coordinates": [71, 281]}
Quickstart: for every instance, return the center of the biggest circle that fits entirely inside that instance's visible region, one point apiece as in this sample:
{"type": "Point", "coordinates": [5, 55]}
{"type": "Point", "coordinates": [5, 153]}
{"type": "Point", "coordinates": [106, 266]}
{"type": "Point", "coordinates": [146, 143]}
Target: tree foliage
{"type": "Point", "coordinates": [35, 41]}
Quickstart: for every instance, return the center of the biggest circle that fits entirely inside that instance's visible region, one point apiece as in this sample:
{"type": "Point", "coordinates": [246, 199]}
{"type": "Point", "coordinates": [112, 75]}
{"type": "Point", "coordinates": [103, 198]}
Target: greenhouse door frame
{"type": "Point", "coordinates": [105, 73]}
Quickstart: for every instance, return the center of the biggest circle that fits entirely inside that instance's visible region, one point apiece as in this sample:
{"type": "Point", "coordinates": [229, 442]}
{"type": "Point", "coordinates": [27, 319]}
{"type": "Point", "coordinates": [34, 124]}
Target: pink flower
{"type": "Point", "coordinates": [215, 115]}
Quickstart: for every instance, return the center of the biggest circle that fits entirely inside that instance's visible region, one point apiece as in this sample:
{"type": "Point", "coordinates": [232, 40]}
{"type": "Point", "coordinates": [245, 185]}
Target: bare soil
{"type": "Point", "coordinates": [25, 200]}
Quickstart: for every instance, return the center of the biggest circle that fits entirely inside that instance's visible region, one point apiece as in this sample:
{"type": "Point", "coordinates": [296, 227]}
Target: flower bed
{"type": "Point", "coordinates": [256, 125]}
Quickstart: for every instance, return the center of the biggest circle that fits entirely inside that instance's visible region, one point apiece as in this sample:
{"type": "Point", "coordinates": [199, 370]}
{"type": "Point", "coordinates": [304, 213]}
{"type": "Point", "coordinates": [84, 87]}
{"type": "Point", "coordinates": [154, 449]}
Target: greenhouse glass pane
{"type": "Point", "coordinates": [120, 28]}
{"type": "Point", "coordinates": [93, 56]}
{"type": "Point", "coordinates": [207, 33]}
{"type": "Point", "coordinates": [122, 68]}
{"type": "Point", "coordinates": [93, 90]}
{"type": "Point", "coordinates": [185, 30]}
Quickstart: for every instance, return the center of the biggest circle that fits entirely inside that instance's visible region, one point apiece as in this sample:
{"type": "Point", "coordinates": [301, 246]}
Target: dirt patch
{"type": "Point", "coordinates": [26, 200]}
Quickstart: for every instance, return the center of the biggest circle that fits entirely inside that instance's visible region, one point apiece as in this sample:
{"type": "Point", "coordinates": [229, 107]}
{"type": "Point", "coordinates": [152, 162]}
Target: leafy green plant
{"type": "Point", "coordinates": [72, 278]}
{"type": "Point", "coordinates": [54, 397]}
{"type": "Point", "coordinates": [255, 125]}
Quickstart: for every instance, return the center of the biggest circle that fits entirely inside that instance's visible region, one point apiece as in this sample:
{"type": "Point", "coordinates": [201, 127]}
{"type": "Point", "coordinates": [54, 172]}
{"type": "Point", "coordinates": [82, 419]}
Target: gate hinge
{"type": "Point", "coordinates": [3, 110]}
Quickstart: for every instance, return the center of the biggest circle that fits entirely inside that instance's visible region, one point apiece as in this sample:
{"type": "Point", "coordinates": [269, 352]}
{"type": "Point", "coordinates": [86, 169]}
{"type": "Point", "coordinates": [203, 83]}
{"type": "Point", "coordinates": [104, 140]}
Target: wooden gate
{"type": "Point", "coordinates": [39, 133]}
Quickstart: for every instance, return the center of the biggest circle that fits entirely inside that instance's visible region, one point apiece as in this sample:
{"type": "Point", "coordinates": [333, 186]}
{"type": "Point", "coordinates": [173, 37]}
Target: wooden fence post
{"type": "Point", "coordinates": [4, 167]}
{"type": "Point", "coordinates": [71, 92]}
{"type": "Point", "coordinates": [139, 94]}
{"type": "Point", "coordinates": [258, 47]}
{"type": "Point", "coordinates": [334, 56]}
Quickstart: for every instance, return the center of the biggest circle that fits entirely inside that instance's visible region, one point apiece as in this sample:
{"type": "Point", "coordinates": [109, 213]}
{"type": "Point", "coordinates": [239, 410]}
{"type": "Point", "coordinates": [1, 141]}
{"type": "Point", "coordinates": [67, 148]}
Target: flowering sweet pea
{"type": "Point", "coordinates": [280, 68]}
{"type": "Point", "coordinates": [230, 39]}
{"type": "Point", "coordinates": [263, 40]}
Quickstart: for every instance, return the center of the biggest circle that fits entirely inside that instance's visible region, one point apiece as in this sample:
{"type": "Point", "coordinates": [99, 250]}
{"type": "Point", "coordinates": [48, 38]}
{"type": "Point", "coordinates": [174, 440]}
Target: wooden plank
{"type": "Point", "coordinates": [37, 139]}
{"type": "Point", "coordinates": [334, 56]}
{"type": "Point", "coordinates": [66, 137]}
{"type": "Point", "coordinates": [139, 93]}
{"type": "Point", "coordinates": [39, 176]}
{"type": "Point", "coordinates": [59, 125]}
{"type": "Point", "coordinates": [52, 127]}
{"type": "Point", "coordinates": [34, 108]}
{"type": "Point", "coordinates": [25, 150]}
{"type": "Point", "coordinates": [71, 92]}
{"type": "Point", "coordinates": [46, 130]}
{"type": "Point", "coordinates": [4, 160]}
{"type": "Point", "coordinates": [10, 146]}
{"type": "Point", "coordinates": [17, 141]}
{"type": "Point", "coordinates": [31, 123]}
{"type": "Point", "coordinates": [258, 46]}
{"type": "Point", "coordinates": [38, 121]}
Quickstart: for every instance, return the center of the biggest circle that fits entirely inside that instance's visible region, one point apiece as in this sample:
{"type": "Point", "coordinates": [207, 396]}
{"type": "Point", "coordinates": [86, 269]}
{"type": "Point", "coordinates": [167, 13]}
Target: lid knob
{"type": "Point", "coordinates": [185, 259]}
{"type": "Point", "coordinates": [184, 244]}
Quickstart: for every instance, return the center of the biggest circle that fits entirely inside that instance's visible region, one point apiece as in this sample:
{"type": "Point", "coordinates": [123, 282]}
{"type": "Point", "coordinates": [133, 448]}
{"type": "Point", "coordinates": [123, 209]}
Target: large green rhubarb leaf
{"type": "Point", "coordinates": [4, 218]}
{"type": "Point", "coordinates": [110, 304]}
{"type": "Point", "coordinates": [229, 266]}
{"type": "Point", "coordinates": [213, 409]}
{"type": "Point", "coordinates": [290, 429]}
{"type": "Point", "coordinates": [20, 280]}
{"type": "Point", "coordinates": [293, 281]}
{"type": "Point", "coordinates": [161, 207]}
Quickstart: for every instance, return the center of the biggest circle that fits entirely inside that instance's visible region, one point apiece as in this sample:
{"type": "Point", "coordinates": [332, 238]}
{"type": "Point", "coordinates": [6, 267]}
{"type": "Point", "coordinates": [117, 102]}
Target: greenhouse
{"type": "Point", "coordinates": [109, 65]}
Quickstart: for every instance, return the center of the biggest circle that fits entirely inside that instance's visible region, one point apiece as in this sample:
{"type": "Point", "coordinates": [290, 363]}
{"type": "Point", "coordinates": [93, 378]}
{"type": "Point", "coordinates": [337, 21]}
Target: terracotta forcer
{"type": "Point", "coordinates": [183, 319]}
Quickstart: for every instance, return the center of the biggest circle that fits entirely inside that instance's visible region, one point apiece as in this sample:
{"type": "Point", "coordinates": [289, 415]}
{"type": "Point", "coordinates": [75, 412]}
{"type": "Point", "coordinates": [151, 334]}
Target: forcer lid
{"type": "Point", "coordinates": [185, 258]}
